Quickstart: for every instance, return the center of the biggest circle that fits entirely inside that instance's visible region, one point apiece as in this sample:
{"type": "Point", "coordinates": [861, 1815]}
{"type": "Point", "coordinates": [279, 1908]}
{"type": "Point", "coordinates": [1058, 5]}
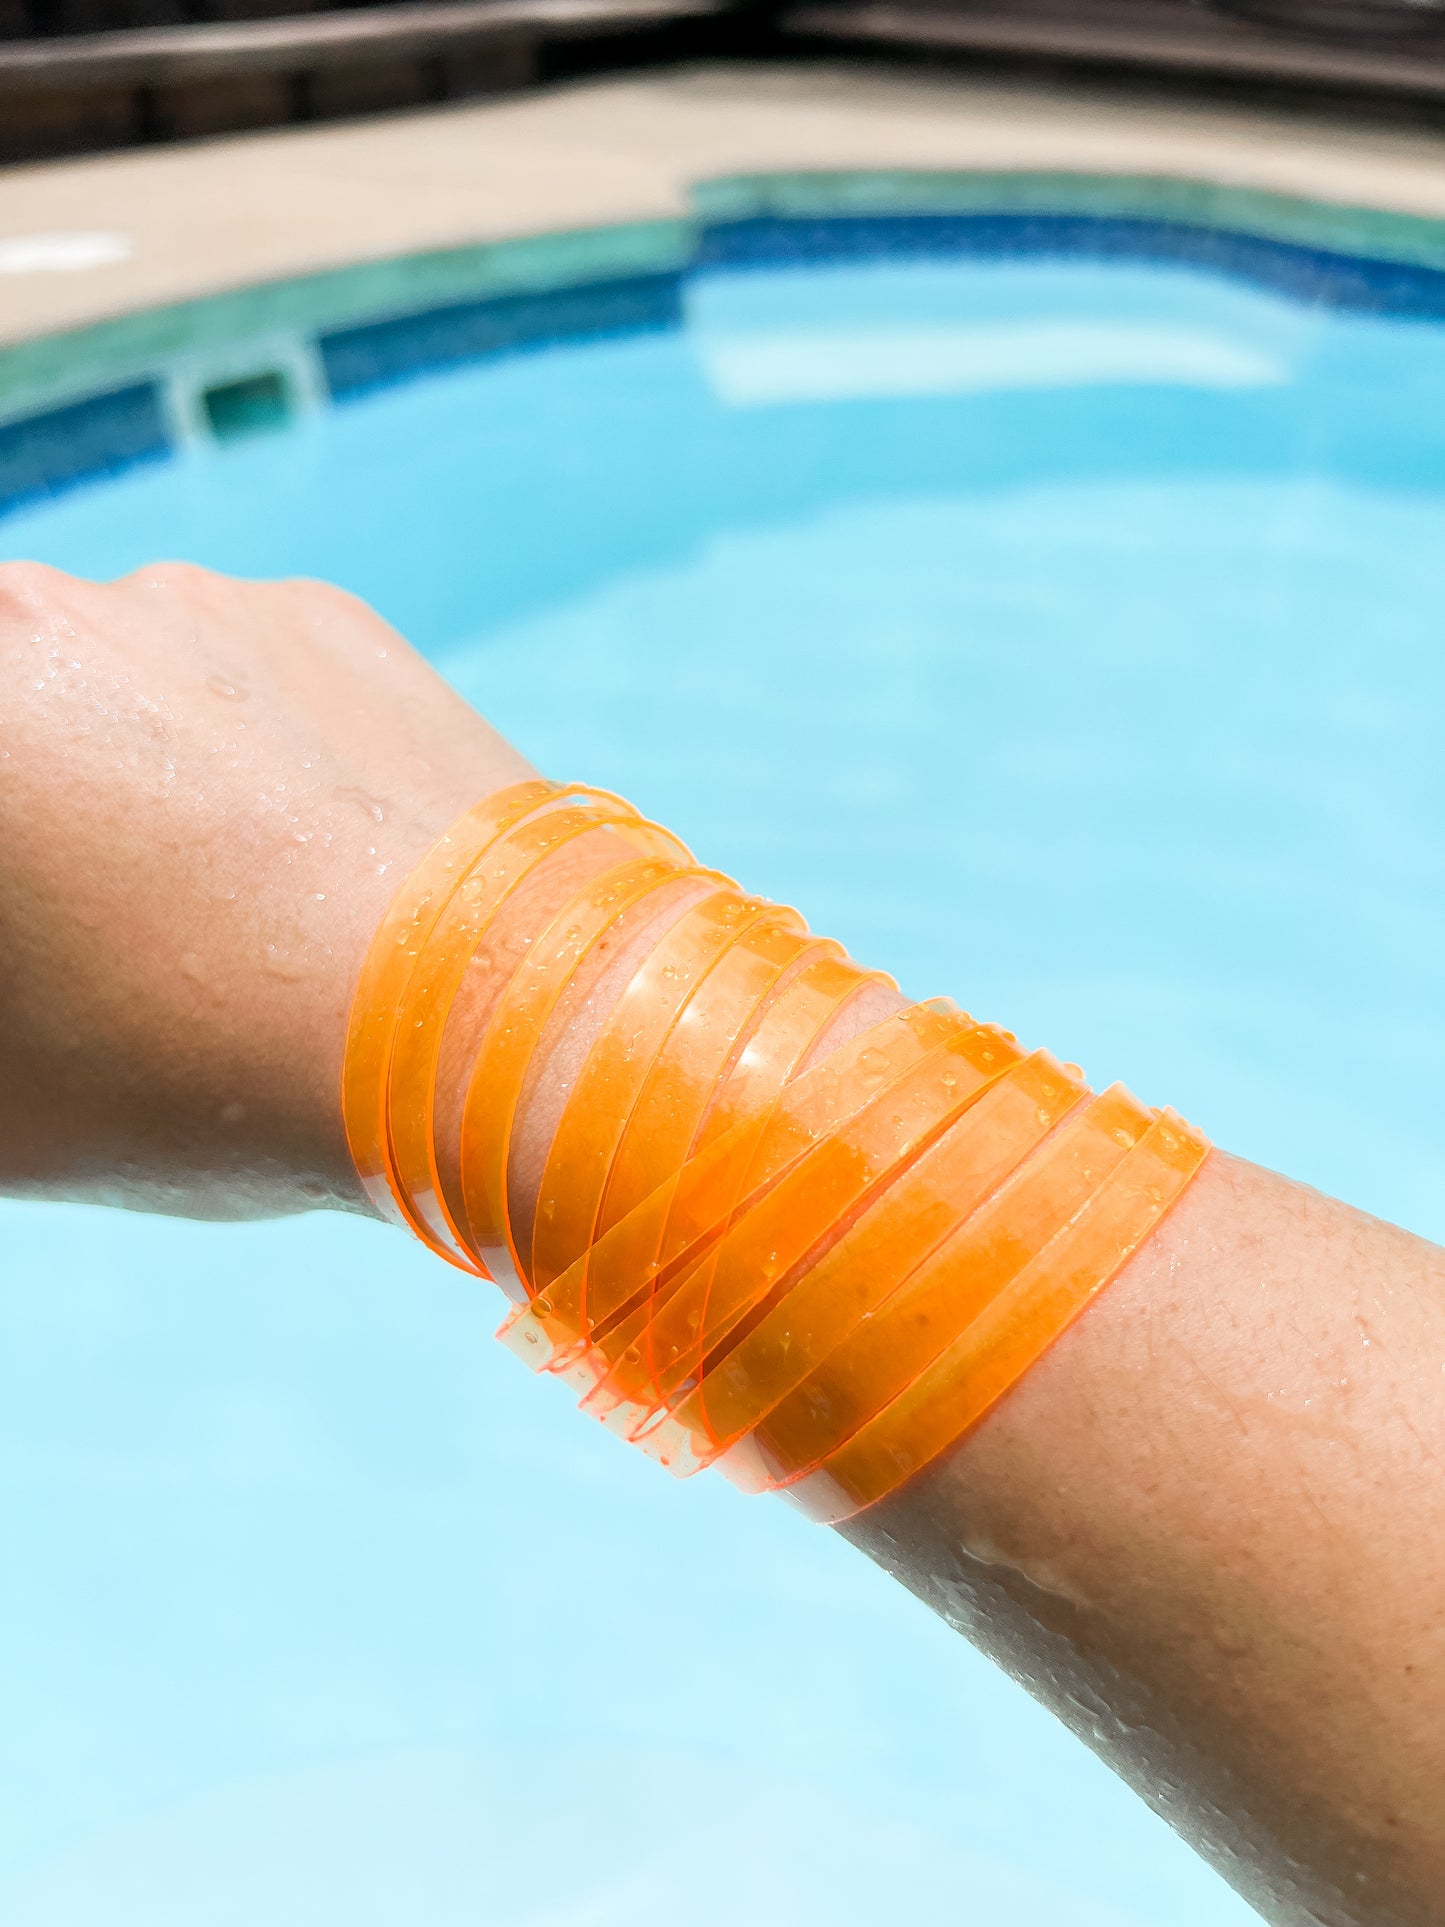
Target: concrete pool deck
{"type": "Point", "coordinates": [179, 222]}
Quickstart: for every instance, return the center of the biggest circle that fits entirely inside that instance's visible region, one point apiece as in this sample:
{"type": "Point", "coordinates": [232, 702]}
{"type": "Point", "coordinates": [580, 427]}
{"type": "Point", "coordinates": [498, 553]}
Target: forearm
{"type": "Point", "coordinates": [1203, 1526]}
{"type": "Point", "coordinates": [1206, 1530]}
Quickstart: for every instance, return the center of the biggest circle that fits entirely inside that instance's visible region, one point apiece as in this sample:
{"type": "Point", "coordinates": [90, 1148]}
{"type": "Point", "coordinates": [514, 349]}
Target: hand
{"type": "Point", "coordinates": [209, 791]}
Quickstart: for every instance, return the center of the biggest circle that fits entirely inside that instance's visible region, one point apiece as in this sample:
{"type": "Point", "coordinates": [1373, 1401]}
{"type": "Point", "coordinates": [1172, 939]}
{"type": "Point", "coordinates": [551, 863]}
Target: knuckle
{"type": "Point", "coordinates": [175, 578]}
{"type": "Point", "coordinates": [317, 594]}
{"type": "Point", "coordinates": [27, 588]}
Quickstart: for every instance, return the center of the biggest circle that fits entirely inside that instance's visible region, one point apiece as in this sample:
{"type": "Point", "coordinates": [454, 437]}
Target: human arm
{"type": "Point", "coordinates": [1206, 1530]}
{"type": "Point", "coordinates": [209, 792]}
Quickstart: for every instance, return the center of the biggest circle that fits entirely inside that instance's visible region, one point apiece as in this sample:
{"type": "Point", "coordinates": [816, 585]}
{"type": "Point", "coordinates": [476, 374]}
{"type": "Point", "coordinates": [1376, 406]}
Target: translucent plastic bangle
{"type": "Point", "coordinates": [911, 1219]}
{"type": "Point", "coordinates": [939, 1300]}
{"type": "Point", "coordinates": [674, 1112]}
{"type": "Point", "coordinates": [511, 1037]}
{"type": "Point", "coordinates": [816, 1278]}
{"type": "Point", "coordinates": [672, 1225]}
{"type": "Point", "coordinates": [441, 964]}
{"type": "Point", "coordinates": [624, 1360]}
{"type": "Point", "coordinates": [784, 1035]}
{"type": "Point", "coordinates": [776, 1044]}
{"type": "Point", "coordinates": [387, 970]}
{"type": "Point", "coordinates": [605, 1094]}
{"type": "Point", "coordinates": [818, 1196]}
{"type": "Point", "coordinates": [993, 1353]}
{"type": "Point", "coordinates": [720, 1048]}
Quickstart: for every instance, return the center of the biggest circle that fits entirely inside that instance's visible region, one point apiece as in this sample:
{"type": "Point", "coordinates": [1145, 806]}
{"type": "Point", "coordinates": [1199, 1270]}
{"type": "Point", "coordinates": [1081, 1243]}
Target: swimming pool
{"type": "Point", "coordinates": [1046, 602]}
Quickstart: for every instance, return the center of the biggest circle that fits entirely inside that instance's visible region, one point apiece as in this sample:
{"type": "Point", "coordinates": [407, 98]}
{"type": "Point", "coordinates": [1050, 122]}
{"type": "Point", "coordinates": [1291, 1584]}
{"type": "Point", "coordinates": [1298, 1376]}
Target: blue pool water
{"type": "Point", "coordinates": [1062, 632]}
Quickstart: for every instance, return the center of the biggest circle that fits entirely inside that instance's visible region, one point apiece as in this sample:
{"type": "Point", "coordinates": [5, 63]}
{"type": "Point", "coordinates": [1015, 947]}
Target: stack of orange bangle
{"type": "Point", "coordinates": [817, 1275]}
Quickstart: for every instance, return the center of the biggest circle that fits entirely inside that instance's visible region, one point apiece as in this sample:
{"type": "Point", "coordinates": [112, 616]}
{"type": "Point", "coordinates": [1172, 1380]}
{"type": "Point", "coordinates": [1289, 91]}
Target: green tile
{"type": "Point", "coordinates": [60, 367]}
{"type": "Point", "coordinates": [1375, 233]}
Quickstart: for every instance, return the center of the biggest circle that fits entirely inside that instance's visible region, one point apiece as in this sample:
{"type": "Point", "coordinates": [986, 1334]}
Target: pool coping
{"type": "Point", "coordinates": [224, 215]}
{"type": "Point", "coordinates": [56, 370]}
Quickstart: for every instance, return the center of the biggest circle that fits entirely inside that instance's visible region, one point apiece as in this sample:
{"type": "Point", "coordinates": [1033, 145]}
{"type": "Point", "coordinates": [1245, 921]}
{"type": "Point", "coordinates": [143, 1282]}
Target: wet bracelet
{"type": "Point", "coordinates": [499, 870]}
{"type": "Point", "coordinates": [813, 1267]}
{"type": "Point", "coordinates": [387, 972]}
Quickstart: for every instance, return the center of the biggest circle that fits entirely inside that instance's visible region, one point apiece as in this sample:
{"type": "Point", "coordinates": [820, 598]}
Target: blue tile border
{"type": "Point", "coordinates": [379, 354]}
{"type": "Point", "coordinates": [86, 441]}
{"type": "Point", "coordinates": [1403, 290]}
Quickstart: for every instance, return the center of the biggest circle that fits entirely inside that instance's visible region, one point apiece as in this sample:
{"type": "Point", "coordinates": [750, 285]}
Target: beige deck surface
{"type": "Point", "coordinates": [222, 214]}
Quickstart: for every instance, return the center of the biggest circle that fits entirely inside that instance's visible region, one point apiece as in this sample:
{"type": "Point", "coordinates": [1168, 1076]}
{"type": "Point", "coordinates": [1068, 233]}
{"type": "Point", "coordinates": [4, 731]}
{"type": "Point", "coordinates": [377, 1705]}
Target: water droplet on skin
{"type": "Point", "coordinates": [226, 689]}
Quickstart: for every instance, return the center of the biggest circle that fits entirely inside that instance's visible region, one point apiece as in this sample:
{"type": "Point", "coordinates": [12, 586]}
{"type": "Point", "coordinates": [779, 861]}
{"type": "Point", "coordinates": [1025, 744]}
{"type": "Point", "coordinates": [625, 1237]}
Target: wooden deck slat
{"type": "Point", "coordinates": [158, 56]}
{"type": "Point", "coordinates": [1153, 34]}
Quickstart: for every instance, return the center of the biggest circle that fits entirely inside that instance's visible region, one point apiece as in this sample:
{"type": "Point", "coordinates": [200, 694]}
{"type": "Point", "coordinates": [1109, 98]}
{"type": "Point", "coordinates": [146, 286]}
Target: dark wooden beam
{"type": "Point", "coordinates": [1162, 35]}
{"type": "Point", "coordinates": [313, 43]}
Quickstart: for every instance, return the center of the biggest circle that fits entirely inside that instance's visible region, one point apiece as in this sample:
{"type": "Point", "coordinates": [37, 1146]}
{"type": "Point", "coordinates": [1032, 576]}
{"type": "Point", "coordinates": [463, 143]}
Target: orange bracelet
{"type": "Point", "coordinates": [633, 1038]}
{"type": "Point", "coordinates": [387, 971]}
{"type": "Point", "coordinates": [714, 1089]}
{"type": "Point", "coordinates": [1018, 1327]}
{"type": "Point", "coordinates": [441, 962]}
{"type": "Point", "coordinates": [905, 1226]}
{"type": "Point", "coordinates": [814, 1267]}
{"type": "Point", "coordinates": [750, 1021]}
{"type": "Point", "coordinates": [507, 1045]}
{"type": "Point", "coordinates": [786, 1032]}
{"type": "Point", "coordinates": [939, 1300]}
{"type": "Point", "coordinates": [635, 1259]}
{"type": "Point", "coordinates": [820, 1193]}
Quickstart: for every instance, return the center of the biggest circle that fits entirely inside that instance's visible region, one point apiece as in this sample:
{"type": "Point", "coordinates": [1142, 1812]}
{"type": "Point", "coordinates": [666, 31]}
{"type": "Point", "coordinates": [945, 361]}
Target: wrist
{"type": "Point", "coordinates": [816, 1266]}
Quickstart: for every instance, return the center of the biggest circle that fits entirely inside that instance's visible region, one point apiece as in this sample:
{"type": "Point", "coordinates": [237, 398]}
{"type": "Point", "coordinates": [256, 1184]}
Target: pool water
{"type": "Point", "coordinates": [1063, 633]}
